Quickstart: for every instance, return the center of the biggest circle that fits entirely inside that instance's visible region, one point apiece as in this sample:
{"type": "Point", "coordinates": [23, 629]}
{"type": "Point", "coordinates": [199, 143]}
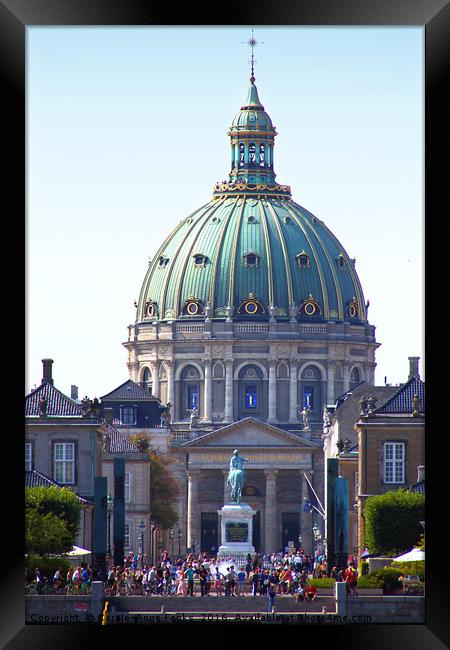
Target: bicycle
{"type": "Point", "coordinates": [81, 589]}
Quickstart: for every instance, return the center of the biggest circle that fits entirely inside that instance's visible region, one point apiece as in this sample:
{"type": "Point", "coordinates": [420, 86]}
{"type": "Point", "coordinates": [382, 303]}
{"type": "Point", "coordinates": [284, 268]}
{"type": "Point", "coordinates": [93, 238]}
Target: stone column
{"type": "Point", "coordinates": [155, 378]}
{"type": "Point", "coordinates": [208, 390]}
{"type": "Point", "coordinates": [170, 383]}
{"type": "Point", "coordinates": [293, 402]}
{"type": "Point", "coordinates": [272, 410]}
{"type": "Point", "coordinates": [193, 514]}
{"type": "Point", "coordinates": [330, 383]}
{"type": "Point", "coordinates": [305, 517]}
{"type": "Point", "coordinates": [270, 530]}
{"type": "Point", "coordinates": [226, 488]}
{"type": "Point", "coordinates": [229, 390]}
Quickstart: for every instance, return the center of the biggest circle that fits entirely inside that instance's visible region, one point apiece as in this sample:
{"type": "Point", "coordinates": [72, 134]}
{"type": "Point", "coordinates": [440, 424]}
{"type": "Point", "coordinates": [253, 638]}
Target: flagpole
{"type": "Point", "coordinates": [318, 500]}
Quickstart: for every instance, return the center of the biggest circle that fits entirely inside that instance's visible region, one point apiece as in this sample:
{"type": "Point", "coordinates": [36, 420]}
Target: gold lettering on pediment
{"type": "Point", "coordinates": [258, 458]}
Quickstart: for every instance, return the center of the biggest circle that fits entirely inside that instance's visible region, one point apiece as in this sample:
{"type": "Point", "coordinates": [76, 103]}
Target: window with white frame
{"type": "Point", "coordinates": [64, 462]}
{"type": "Point", "coordinates": [28, 457]}
{"type": "Point", "coordinates": [394, 462]}
{"type": "Point", "coordinates": [127, 487]}
{"type": "Point", "coordinates": [128, 415]}
{"type": "Point", "coordinates": [126, 538]}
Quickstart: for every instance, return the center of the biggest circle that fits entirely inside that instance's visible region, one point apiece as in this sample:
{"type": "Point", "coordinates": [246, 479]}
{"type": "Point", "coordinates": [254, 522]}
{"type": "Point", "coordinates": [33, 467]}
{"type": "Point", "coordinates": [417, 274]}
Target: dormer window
{"type": "Point", "coordinates": [200, 260]}
{"type": "Point", "coordinates": [287, 220]}
{"type": "Point", "coordinates": [251, 219]}
{"type": "Point", "coordinates": [340, 261]}
{"type": "Point", "coordinates": [303, 260]}
{"type": "Point", "coordinates": [251, 260]}
{"type": "Point", "coordinates": [163, 261]}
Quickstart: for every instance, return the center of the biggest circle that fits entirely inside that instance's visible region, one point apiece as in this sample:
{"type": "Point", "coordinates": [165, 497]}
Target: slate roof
{"type": "Point", "coordinates": [129, 390]}
{"type": "Point", "coordinates": [33, 478]}
{"type": "Point", "coordinates": [118, 443]}
{"type": "Point", "coordinates": [401, 400]}
{"type": "Point", "coordinates": [58, 404]}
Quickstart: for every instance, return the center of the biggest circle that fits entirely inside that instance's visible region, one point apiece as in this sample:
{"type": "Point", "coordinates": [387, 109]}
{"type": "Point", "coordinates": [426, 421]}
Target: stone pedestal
{"type": "Point", "coordinates": [236, 530]}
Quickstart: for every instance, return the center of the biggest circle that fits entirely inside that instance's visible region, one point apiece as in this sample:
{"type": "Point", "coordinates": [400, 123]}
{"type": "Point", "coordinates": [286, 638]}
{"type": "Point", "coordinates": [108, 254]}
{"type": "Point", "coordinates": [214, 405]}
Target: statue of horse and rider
{"type": "Point", "coordinates": [236, 475]}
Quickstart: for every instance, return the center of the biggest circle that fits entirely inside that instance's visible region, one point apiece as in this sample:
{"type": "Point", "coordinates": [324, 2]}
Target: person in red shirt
{"type": "Point", "coordinates": [351, 578]}
{"type": "Point", "coordinates": [311, 592]}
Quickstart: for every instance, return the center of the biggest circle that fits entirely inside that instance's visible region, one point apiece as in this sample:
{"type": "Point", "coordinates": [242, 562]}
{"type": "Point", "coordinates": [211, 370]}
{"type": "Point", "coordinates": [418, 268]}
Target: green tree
{"type": "Point", "coordinates": [393, 522]}
{"type": "Point", "coordinates": [52, 518]}
{"type": "Point", "coordinates": [163, 487]}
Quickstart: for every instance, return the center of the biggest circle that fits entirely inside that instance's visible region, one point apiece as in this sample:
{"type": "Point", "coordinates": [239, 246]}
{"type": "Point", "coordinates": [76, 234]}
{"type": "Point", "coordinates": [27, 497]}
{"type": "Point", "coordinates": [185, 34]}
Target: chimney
{"type": "Point", "coordinates": [47, 371]}
{"type": "Point", "coordinates": [420, 473]}
{"type": "Point", "coordinates": [413, 367]}
{"type": "Point", "coordinates": [108, 414]}
{"type": "Point", "coordinates": [74, 392]}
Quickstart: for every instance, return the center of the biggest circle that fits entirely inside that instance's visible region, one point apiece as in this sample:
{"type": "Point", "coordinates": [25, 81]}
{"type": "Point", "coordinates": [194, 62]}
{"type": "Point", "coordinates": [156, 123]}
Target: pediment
{"type": "Point", "coordinates": [249, 432]}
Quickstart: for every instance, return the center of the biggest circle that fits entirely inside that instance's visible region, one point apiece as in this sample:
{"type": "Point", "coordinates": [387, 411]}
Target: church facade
{"type": "Point", "coordinates": [251, 319]}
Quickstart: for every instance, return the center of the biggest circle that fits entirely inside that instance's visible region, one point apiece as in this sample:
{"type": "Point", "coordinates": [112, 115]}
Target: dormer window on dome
{"type": "Point", "coordinates": [192, 307]}
{"type": "Point", "coordinates": [200, 260]}
{"type": "Point", "coordinates": [251, 306]}
{"type": "Point", "coordinates": [310, 307]}
{"type": "Point", "coordinates": [251, 260]}
{"type": "Point", "coordinates": [303, 260]}
{"type": "Point", "coordinates": [252, 219]}
{"type": "Point", "coordinates": [163, 261]}
{"type": "Point", "coordinates": [340, 261]}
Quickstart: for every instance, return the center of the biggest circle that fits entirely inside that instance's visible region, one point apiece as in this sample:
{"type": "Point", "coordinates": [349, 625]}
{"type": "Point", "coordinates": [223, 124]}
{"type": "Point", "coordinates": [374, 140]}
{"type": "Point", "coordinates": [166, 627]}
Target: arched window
{"type": "Point", "coordinates": [252, 153]}
{"type": "Point", "coordinates": [250, 391]}
{"type": "Point", "coordinates": [241, 154]}
{"type": "Point", "coordinates": [190, 387]}
{"type": "Point", "coordinates": [147, 380]}
{"type": "Point", "coordinates": [355, 378]}
{"type": "Point", "coordinates": [311, 390]}
{"type": "Point", "coordinates": [262, 155]}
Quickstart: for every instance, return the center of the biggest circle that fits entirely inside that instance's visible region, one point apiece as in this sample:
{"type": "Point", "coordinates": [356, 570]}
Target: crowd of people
{"type": "Point", "coordinates": [281, 573]}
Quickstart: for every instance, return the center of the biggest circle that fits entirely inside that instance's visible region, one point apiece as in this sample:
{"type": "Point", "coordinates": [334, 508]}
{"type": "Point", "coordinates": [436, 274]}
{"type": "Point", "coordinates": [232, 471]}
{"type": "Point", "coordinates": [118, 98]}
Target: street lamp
{"type": "Point", "coordinates": [109, 509]}
{"type": "Point", "coordinates": [141, 539]}
{"type": "Point", "coordinates": [172, 535]}
{"type": "Point", "coordinates": [179, 542]}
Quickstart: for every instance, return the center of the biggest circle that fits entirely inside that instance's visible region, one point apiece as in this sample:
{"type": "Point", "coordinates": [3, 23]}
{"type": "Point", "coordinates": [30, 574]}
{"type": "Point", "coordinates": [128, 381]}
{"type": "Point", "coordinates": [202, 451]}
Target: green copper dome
{"type": "Point", "coordinates": [251, 252]}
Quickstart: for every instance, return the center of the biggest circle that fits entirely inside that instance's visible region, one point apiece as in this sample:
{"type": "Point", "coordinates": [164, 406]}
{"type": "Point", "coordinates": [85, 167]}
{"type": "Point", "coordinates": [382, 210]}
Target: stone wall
{"type": "Point", "coordinates": [388, 609]}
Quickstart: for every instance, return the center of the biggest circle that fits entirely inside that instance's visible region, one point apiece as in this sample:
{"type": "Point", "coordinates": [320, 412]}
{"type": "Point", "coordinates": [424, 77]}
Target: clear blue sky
{"type": "Point", "coordinates": [127, 133]}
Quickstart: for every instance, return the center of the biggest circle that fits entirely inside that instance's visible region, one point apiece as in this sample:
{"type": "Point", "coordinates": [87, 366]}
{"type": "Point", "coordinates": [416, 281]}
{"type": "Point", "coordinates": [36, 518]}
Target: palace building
{"type": "Point", "coordinates": [251, 312]}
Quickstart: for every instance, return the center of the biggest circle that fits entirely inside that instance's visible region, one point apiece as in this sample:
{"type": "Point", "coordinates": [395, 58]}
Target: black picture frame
{"type": "Point", "coordinates": [15, 17]}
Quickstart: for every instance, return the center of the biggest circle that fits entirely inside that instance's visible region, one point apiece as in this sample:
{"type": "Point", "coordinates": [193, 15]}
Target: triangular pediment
{"type": "Point", "coordinates": [249, 432]}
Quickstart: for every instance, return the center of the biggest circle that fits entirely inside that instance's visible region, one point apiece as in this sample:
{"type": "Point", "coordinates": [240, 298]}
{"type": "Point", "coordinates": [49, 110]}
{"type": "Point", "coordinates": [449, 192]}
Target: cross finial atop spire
{"type": "Point", "coordinates": [252, 42]}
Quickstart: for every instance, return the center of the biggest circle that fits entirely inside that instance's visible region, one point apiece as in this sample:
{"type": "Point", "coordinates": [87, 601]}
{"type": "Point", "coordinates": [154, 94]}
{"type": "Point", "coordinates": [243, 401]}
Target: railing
{"type": "Point", "coordinates": [189, 329]}
{"type": "Point", "coordinates": [312, 329]}
{"type": "Point", "coordinates": [251, 328]}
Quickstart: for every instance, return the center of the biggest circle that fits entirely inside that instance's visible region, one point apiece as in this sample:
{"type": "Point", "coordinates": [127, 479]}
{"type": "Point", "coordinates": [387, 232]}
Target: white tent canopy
{"type": "Point", "coordinates": [414, 555]}
{"type": "Point", "coordinates": [78, 551]}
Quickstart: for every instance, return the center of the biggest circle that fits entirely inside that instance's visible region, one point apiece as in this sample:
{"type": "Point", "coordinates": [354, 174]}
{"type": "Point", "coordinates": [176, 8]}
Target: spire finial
{"type": "Point", "coordinates": [252, 42]}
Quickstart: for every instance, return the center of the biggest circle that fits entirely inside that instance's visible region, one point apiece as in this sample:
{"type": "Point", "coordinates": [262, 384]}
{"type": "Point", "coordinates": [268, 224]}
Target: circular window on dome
{"type": "Point", "coordinates": [352, 310]}
{"type": "Point", "coordinates": [192, 308]}
{"type": "Point", "coordinates": [251, 307]}
{"type": "Point", "coordinates": [310, 307]}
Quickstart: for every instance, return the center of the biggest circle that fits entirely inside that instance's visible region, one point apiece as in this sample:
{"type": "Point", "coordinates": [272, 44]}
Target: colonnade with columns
{"type": "Point", "coordinates": [205, 366]}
